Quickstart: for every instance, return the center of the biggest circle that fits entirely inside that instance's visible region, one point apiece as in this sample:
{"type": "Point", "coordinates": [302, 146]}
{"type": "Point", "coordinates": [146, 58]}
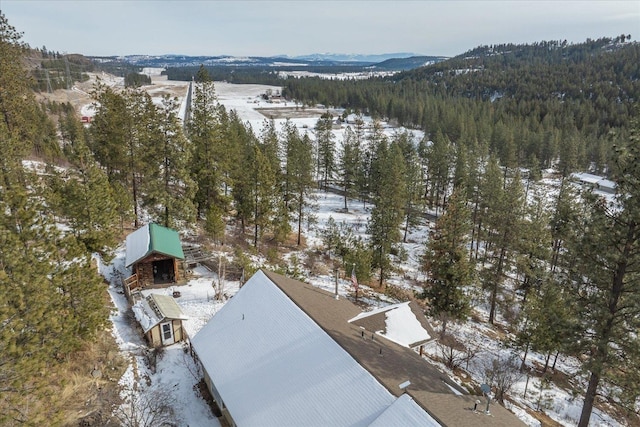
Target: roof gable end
{"type": "Point", "coordinates": [152, 238]}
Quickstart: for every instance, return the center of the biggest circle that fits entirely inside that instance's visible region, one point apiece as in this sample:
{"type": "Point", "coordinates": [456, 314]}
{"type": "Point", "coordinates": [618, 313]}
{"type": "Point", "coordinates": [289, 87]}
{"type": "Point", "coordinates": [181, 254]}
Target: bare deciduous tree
{"type": "Point", "coordinates": [146, 408]}
{"type": "Point", "coordinates": [454, 354]}
{"type": "Point", "coordinates": [501, 374]}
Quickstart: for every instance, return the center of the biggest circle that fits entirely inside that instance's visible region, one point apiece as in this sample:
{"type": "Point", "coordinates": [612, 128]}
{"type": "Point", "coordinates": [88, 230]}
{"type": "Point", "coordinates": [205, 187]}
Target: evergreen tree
{"type": "Point", "coordinates": [214, 224]}
{"type": "Point", "coordinates": [169, 189]}
{"type": "Point", "coordinates": [503, 225]}
{"type": "Point", "coordinates": [604, 274]}
{"type": "Point", "coordinates": [388, 211]}
{"type": "Point", "coordinates": [370, 175]}
{"type": "Point", "coordinates": [205, 132]}
{"type": "Point", "coordinates": [439, 166]}
{"type": "Point", "coordinates": [412, 182]}
{"type": "Point", "coordinates": [109, 131]}
{"type": "Point", "coordinates": [326, 148]}
{"type": "Point", "coordinates": [545, 321]}
{"type": "Point", "coordinates": [348, 165]}
{"type": "Point", "coordinates": [565, 214]}
{"type": "Point", "coordinates": [446, 261]}
{"type": "Point", "coordinates": [122, 139]}
{"type": "Point", "coordinates": [51, 297]}
{"type": "Point", "coordinates": [86, 198]}
{"type": "Point", "coordinates": [264, 193]}
{"type": "Point", "coordinates": [299, 175]}
{"type": "Point", "coordinates": [491, 193]}
{"type": "Point", "coordinates": [533, 247]}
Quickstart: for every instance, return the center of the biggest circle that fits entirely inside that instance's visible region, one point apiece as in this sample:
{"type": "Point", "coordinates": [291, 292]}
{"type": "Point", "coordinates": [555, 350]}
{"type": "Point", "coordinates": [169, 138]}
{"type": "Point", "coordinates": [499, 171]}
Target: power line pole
{"type": "Point", "coordinates": [66, 65]}
{"type": "Point", "coordinates": [49, 89]}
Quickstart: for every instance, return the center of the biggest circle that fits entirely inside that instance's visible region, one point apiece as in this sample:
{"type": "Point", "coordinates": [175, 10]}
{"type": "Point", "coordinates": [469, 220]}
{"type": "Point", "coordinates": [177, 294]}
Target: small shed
{"type": "Point", "coordinates": [161, 319]}
{"type": "Point", "coordinates": [154, 253]}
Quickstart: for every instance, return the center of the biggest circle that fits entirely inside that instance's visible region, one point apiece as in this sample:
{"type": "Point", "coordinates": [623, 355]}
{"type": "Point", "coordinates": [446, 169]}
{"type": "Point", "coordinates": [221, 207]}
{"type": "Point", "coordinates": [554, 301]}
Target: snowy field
{"type": "Point", "coordinates": [176, 371]}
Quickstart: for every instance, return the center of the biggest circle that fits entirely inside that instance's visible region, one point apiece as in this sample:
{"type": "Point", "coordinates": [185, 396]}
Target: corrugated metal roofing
{"type": "Point", "coordinates": [274, 366]}
{"type": "Point", "coordinates": [167, 307]}
{"type": "Point", "coordinates": [152, 238]}
{"type": "Point", "coordinates": [404, 412]}
{"type": "Point", "coordinates": [155, 309]}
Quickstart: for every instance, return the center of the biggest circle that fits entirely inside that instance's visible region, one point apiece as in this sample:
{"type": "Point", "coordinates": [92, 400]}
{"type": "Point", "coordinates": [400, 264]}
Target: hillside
{"type": "Point", "coordinates": [409, 63]}
{"type": "Point", "coordinates": [605, 68]}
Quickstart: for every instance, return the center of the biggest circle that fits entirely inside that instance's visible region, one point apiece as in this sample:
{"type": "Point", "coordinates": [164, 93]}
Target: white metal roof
{"type": "Point", "coordinates": [274, 366]}
{"type": "Point", "coordinates": [156, 308]}
{"type": "Point", "coordinates": [137, 245]}
{"type": "Point", "coordinates": [404, 412]}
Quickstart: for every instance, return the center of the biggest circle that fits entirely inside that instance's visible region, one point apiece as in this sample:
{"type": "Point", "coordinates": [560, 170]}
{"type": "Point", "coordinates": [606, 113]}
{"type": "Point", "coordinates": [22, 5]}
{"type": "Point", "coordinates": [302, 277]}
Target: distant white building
{"type": "Point", "coordinates": [594, 182]}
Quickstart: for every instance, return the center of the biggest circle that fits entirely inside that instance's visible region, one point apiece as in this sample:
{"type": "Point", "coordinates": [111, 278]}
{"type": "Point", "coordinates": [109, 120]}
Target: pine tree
{"type": "Point", "coordinates": [439, 167]}
{"type": "Point", "coordinates": [326, 148]}
{"type": "Point", "coordinates": [168, 189]}
{"type": "Point", "coordinates": [446, 261]}
{"type": "Point", "coordinates": [86, 198]}
{"type": "Point", "coordinates": [388, 211]}
{"type": "Point", "coordinates": [534, 246]}
{"type": "Point", "coordinates": [503, 225]}
{"type": "Point", "coordinates": [205, 131]}
{"type": "Point", "coordinates": [214, 224]}
{"type": "Point", "coordinates": [348, 165]}
{"type": "Point", "coordinates": [299, 175]}
{"type": "Point", "coordinates": [261, 182]}
{"type": "Point", "coordinates": [46, 310]}
{"type": "Point", "coordinates": [545, 321]}
{"type": "Point", "coordinates": [604, 273]}
{"type": "Point", "coordinates": [412, 182]}
{"type": "Point", "coordinates": [122, 141]}
{"type": "Point", "coordinates": [565, 214]}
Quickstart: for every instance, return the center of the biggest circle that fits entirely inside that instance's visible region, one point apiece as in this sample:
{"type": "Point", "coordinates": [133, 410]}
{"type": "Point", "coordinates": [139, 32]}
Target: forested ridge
{"type": "Point", "coordinates": [557, 275]}
{"type": "Point", "coordinates": [521, 100]}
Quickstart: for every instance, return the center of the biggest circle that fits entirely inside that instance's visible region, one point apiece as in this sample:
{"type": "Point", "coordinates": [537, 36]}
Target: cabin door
{"type": "Point", "coordinates": [167, 333]}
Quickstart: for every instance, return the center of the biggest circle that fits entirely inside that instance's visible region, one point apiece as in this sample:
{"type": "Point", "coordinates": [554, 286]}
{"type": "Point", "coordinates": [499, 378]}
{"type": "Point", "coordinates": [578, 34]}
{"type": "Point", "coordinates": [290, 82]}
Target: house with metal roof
{"type": "Point", "coordinates": [154, 254]}
{"type": "Point", "coordinates": [594, 182]}
{"type": "Point", "coordinates": [267, 363]}
{"type": "Point", "coordinates": [161, 319]}
{"type": "Point", "coordinates": [283, 353]}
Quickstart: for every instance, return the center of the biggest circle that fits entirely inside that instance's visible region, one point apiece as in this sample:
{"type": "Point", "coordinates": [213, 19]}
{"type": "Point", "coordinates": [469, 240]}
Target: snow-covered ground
{"type": "Point", "coordinates": [175, 370]}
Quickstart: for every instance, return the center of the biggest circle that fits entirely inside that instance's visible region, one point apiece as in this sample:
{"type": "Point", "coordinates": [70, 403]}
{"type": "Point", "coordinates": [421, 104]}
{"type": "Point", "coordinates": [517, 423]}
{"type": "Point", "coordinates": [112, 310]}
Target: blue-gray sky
{"type": "Point", "coordinates": [266, 28]}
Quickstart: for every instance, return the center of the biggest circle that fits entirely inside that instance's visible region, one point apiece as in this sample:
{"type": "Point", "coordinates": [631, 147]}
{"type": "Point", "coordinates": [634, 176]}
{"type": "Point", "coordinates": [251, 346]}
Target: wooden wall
{"type": "Point", "coordinates": [154, 336]}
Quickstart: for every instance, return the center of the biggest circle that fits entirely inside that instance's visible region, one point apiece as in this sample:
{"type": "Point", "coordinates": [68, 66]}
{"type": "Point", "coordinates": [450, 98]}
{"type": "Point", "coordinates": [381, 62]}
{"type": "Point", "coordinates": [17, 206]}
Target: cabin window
{"type": "Point", "coordinates": [167, 333]}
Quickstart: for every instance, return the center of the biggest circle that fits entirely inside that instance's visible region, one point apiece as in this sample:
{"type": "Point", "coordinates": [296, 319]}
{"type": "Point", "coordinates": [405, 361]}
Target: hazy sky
{"type": "Point", "coordinates": [266, 28]}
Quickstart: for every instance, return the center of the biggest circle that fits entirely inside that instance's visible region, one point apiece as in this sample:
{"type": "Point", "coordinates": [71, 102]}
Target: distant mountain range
{"type": "Point", "coordinates": [352, 57]}
{"type": "Point", "coordinates": [387, 62]}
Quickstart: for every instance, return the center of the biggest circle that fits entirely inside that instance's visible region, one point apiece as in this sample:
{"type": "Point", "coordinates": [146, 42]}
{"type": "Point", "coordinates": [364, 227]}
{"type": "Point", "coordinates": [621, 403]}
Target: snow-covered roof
{"type": "Point", "coordinates": [156, 308]}
{"type": "Point", "coordinates": [595, 180]}
{"type": "Point", "coordinates": [404, 412]}
{"type": "Point", "coordinates": [400, 324]}
{"type": "Point", "coordinates": [586, 177]}
{"type": "Point", "coordinates": [152, 238]}
{"type": "Point", "coordinates": [273, 365]}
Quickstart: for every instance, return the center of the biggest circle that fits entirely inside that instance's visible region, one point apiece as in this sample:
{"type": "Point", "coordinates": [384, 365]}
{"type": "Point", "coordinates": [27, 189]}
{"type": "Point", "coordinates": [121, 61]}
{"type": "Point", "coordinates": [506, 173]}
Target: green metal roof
{"type": "Point", "coordinates": [152, 238]}
{"type": "Point", "coordinates": [165, 241]}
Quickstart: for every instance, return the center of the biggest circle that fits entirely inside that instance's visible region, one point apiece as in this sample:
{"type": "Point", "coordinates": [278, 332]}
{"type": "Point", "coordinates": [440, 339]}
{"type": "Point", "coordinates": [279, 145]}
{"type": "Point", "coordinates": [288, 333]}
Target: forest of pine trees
{"type": "Point", "coordinates": [562, 274]}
